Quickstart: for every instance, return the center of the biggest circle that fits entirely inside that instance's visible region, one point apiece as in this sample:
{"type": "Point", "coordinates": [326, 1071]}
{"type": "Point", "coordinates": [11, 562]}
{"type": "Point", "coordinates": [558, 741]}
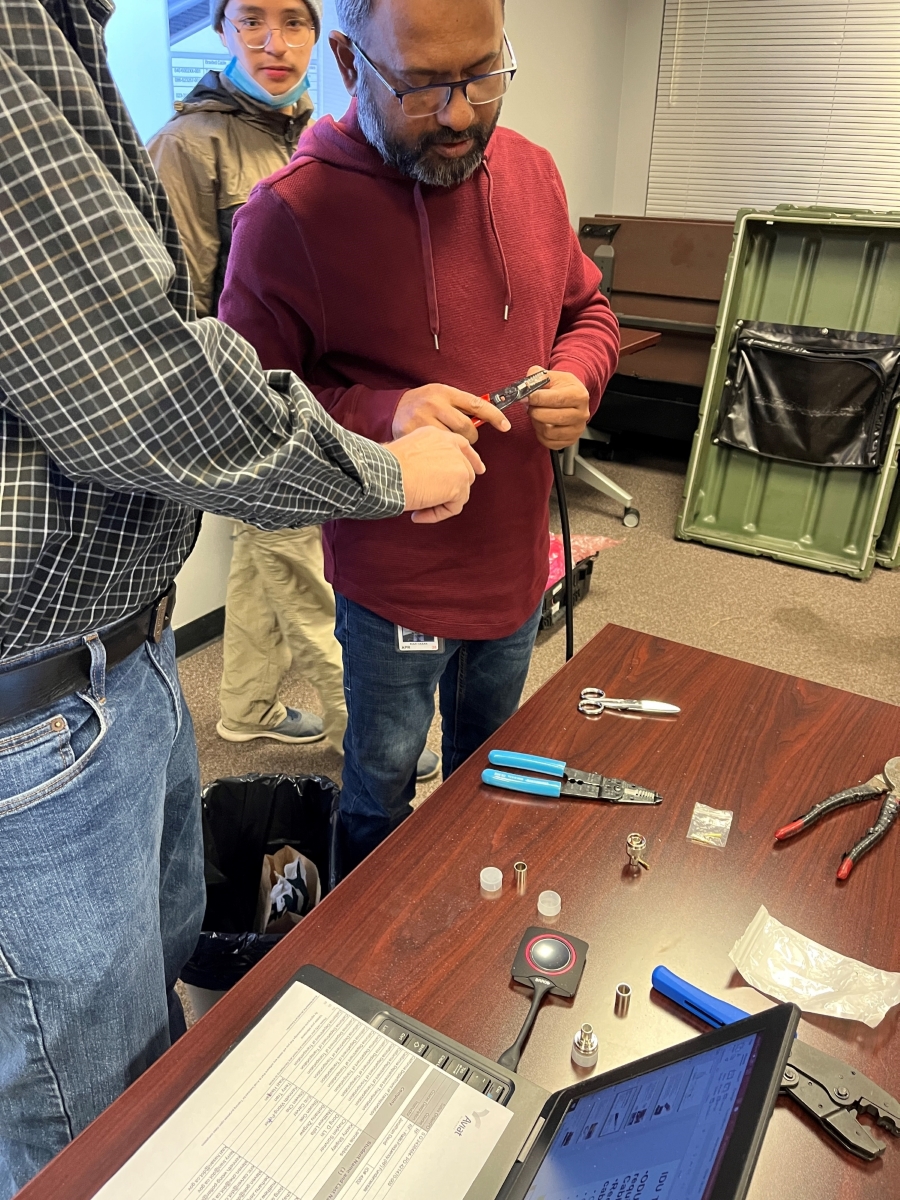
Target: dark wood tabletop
{"type": "Point", "coordinates": [411, 927]}
{"type": "Point", "coordinates": [633, 340]}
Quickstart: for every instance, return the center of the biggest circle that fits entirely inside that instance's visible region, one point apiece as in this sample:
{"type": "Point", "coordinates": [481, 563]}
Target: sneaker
{"type": "Point", "coordinates": [297, 728]}
{"type": "Point", "coordinates": [428, 765]}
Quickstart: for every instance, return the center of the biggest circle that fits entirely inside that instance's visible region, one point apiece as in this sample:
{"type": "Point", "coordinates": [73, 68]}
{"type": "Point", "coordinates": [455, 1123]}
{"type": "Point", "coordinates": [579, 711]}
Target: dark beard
{"type": "Point", "coordinates": [414, 160]}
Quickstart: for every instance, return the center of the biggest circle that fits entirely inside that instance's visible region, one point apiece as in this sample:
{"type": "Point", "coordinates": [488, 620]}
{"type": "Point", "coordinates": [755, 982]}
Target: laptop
{"type": "Point", "coordinates": [333, 1095]}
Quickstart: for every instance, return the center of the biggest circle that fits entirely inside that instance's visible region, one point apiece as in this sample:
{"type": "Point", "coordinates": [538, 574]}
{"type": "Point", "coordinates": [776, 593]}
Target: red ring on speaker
{"type": "Point", "coordinates": [544, 970]}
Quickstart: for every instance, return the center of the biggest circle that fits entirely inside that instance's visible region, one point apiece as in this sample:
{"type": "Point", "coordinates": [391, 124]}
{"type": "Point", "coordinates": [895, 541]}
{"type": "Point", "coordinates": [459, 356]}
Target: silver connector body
{"type": "Point", "coordinates": [635, 847]}
{"type": "Point", "coordinates": [585, 1047]}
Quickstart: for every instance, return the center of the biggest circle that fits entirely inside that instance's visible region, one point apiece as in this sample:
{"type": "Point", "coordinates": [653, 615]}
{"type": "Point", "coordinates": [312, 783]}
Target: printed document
{"type": "Point", "coordinates": [315, 1104]}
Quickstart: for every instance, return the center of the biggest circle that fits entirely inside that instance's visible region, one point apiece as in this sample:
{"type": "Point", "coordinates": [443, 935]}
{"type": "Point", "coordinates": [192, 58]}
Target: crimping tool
{"type": "Point", "coordinates": [827, 1089]}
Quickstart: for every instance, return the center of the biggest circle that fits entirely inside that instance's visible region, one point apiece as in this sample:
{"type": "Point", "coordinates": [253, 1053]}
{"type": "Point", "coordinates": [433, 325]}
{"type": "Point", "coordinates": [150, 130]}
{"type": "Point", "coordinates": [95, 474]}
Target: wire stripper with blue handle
{"type": "Point", "coordinates": [826, 1088]}
{"type": "Point", "coordinates": [585, 785]}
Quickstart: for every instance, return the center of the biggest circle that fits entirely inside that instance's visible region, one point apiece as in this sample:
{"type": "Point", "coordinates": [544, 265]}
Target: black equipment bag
{"type": "Point", "coordinates": [823, 397]}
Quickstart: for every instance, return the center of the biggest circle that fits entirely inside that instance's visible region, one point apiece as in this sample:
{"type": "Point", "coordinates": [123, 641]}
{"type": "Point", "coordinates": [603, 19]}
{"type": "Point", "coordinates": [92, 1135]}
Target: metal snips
{"type": "Point", "coordinates": [594, 701]}
{"type": "Point", "coordinates": [886, 784]}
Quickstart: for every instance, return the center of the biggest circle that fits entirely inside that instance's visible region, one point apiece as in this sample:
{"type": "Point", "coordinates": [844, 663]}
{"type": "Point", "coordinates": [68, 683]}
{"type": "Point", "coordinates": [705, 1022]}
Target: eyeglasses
{"type": "Point", "coordinates": [256, 34]}
{"type": "Point", "coordinates": [433, 98]}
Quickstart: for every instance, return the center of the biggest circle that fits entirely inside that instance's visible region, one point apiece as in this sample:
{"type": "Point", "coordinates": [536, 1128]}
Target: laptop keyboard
{"type": "Point", "coordinates": [459, 1068]}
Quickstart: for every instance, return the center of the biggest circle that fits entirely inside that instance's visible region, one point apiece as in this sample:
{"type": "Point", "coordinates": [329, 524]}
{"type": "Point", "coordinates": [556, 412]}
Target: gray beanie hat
{"type": "Point", "coordinates": [217, 8]}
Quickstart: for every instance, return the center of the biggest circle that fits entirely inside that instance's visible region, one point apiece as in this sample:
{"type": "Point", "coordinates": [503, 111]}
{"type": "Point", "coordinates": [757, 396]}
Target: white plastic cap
{"type": "Point", "coordinates": [549, 904]}
{"type": "Point", "coordinates": [491, 879]}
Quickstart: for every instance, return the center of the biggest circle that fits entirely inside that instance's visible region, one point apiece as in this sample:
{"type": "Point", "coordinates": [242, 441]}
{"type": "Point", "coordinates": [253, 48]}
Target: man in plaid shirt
{"type": "Point", "coordinates": [121, 415]}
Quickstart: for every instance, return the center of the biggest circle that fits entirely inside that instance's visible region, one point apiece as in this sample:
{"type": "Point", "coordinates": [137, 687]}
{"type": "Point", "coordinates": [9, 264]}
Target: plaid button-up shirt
{"type": "Point", "coordinates": [121, 414]}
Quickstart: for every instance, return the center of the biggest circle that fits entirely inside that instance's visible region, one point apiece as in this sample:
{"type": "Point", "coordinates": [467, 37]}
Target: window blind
{"type": "Point", "coordinates": [776, 101]}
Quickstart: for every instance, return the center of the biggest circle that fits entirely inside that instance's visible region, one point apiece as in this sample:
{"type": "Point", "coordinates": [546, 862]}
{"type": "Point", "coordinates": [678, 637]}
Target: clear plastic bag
{"type": "Point", "coordinates": [710, 826]}
{"type": "Point", "coordinates": [790, 967]}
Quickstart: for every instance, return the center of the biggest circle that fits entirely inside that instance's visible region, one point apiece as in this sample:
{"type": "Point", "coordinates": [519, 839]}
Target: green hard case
{"type": "Point", "coordinates": [887, 549]}
{"type": "Point", "coordinates": [799, 266]}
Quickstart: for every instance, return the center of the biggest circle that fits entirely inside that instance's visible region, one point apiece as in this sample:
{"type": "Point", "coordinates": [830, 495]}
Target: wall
{"type": "Point", "coordinates": [586, 89]}
{"type": "Point", "coordinates": [567, 92]}
{"type": "Point", "coordinates": [201, 581]}
{"type": "Point", "coordinates": [137, 44]}
{"type": "Point", "coordinates": [640, 70]}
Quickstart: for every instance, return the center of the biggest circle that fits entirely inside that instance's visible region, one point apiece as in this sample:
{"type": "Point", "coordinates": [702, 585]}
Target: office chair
{"type": "Point", "coordinates": [573, 463]}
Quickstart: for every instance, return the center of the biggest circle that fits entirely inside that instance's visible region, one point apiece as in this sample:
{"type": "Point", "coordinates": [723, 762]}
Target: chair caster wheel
{"type": "Point", "coordinates": [632, 518]}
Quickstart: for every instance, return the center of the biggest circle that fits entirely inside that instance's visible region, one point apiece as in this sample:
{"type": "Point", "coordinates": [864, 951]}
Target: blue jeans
{"type": "Point", "coordinates": [390, 705]}
{"type": "Point", "coordinates": [101, 897]}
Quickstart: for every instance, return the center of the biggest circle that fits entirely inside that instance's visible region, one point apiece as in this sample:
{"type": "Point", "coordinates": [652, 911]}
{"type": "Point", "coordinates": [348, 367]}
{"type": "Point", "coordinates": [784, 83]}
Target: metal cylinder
{"type": "Point", "coordinates": [623, 999]}
{"type": "Point", "coordinates": [521, 870]}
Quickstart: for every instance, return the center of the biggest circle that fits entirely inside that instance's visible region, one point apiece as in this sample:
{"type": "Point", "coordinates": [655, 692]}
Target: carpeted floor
{"type": "Point", "coordinates": [823, 627]}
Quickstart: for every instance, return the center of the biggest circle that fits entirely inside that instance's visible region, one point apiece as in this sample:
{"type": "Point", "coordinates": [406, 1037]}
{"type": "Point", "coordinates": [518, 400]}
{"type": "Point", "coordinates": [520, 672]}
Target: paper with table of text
{"type": "Point", "coordinates": [314, 1104]}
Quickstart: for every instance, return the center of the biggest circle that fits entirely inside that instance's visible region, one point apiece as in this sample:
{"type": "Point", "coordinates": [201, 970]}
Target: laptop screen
{"type": "Point", "coordinates": [657, 1136]}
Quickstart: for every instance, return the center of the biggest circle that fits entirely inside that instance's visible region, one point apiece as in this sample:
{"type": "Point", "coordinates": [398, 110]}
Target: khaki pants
{"type": "Point", "coordinates": [279, 609]}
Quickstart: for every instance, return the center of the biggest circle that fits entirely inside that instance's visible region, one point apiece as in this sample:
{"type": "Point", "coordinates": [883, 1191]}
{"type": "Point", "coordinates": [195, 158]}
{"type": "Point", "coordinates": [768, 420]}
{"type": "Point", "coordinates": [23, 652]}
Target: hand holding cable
{"type": "Point", "coordinates": [560, 411]}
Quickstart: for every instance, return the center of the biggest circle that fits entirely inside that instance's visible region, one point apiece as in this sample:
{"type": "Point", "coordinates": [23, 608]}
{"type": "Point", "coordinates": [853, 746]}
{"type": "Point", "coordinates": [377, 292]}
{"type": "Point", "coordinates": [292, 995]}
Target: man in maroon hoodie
{"type": "Point", "coordinates": [414, 241]}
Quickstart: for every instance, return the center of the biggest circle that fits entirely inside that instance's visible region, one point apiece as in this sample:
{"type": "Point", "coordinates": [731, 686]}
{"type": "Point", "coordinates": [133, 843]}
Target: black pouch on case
{"type": "Point", "coordinates": [801, 394]}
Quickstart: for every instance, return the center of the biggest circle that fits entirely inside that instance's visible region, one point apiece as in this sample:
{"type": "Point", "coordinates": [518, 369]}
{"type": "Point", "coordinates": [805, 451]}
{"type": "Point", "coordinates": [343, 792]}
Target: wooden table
{"type": "Point", "coordinates": [410, 925]}
{"type": "Point", "coordinates": [631, 341]}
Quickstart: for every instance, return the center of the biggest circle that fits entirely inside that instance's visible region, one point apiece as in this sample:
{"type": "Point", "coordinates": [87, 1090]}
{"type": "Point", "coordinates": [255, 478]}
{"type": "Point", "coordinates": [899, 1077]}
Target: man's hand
{"type": "Point", "coordinates": [559, 411]}
{"type": "Point", "coordinates": [438, 469]}
{"type": "Point", "coordinates": [445, 408]}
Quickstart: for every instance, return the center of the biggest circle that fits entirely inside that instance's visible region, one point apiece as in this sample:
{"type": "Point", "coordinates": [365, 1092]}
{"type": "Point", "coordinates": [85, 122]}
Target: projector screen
{"type": "Point", "coordinates": [159, 49]}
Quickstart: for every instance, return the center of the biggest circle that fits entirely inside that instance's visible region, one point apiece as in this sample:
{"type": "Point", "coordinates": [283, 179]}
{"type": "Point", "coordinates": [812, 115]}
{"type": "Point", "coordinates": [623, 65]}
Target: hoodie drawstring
{"type": "Point", "coordinates": [434, 315]}
{"type": "Point", "coordinates": [506, 284]}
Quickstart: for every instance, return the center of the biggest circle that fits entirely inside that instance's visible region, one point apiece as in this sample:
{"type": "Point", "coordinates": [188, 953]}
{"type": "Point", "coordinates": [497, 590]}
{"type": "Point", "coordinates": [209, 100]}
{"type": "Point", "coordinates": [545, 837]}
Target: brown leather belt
{"type": "Point", "coordinates": [36, 685]}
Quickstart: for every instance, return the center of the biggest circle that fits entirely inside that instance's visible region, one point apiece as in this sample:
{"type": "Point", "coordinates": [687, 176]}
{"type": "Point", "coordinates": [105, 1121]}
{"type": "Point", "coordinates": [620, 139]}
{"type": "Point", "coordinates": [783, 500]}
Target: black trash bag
{"type": "Point", "coordinates": [247, 817]}
{"type": "Point", "coordinates": [823, 397]}
{"type": "Point", "coordinates": [221, 959]}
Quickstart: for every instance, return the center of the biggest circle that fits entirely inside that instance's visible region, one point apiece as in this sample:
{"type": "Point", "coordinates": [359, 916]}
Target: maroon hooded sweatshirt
{"type": "Point", "coordinates": [366, 284]}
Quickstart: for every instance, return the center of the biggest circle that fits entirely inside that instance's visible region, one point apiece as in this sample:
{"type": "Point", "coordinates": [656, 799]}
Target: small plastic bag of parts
{"type": "Point", "coordinates": [784, 964]}
{"type": "Point", "coordinates": [710, 826]}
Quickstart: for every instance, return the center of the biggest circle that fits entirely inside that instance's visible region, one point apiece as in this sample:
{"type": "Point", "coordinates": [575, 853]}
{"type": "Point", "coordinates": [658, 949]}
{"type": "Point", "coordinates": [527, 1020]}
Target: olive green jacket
{"type": "Point", "coordinates": [210, 156]}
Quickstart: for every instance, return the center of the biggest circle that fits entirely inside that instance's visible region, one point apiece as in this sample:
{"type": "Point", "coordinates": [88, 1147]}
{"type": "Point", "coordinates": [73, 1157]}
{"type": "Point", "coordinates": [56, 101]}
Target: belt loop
{"type": "Point", "coordinates": [98, 666]}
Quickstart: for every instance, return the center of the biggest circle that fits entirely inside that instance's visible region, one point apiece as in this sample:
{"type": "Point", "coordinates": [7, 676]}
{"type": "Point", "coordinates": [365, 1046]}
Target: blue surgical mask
{"type": "Point", "coordinates": [248, 85]}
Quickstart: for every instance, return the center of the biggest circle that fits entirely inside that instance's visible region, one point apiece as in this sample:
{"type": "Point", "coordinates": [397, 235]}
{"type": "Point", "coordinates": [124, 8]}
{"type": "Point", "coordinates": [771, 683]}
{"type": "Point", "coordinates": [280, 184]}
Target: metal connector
{"type": "Point", "coordinates": [585, 1047]}
{"type": "Point", "coordinates": [635, 846]}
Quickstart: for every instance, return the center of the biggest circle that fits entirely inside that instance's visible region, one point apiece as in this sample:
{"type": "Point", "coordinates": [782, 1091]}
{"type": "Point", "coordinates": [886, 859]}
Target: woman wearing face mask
{"type": "Point", "coordinates": [236, 127]}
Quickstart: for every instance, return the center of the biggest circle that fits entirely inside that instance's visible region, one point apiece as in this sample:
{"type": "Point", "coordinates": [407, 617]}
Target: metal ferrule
{"type": "Point", "coordinates": [623, 999]}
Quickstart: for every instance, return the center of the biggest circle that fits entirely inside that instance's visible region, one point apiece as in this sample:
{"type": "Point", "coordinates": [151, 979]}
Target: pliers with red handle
{"type": "Point", "coordinates": [886, 784]}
